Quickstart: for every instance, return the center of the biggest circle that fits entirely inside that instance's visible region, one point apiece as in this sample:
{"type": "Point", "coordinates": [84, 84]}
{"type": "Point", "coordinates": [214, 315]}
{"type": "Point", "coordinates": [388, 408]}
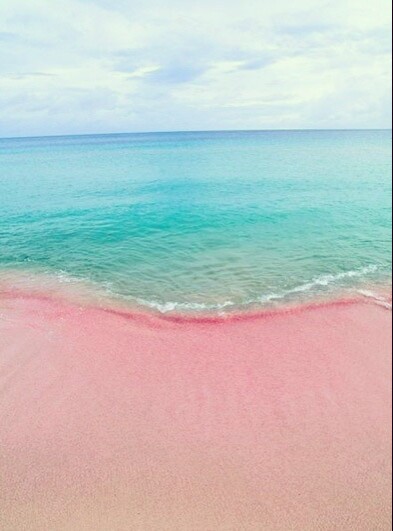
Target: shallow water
{"type": "Point", "coordinates": [200, 221]}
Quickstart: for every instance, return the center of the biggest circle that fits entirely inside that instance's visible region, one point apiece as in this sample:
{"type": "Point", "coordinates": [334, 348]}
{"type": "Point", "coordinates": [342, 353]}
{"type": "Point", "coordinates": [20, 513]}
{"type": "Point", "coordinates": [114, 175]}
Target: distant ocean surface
{"type": "Point", "coordinates": [185, 222]}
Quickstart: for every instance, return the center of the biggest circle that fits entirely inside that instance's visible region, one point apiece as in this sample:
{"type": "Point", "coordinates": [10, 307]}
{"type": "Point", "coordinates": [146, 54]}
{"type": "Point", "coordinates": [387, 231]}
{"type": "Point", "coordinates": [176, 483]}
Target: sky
{"type": "Point", "coordinates": [98, 66]}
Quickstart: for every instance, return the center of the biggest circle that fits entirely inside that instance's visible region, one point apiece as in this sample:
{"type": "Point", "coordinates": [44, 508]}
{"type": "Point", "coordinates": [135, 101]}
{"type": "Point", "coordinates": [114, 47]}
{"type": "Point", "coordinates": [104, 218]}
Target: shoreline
{"type": "Point", "coordinates": [87, 292]}
{"type": "Point", "coordinates": [115, 420]}
{"type": "Point", "coordinates": [83, 295]}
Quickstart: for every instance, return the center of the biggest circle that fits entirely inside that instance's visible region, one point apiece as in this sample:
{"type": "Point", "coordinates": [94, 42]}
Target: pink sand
{"type": "Point", "coordinates": [116, 421]}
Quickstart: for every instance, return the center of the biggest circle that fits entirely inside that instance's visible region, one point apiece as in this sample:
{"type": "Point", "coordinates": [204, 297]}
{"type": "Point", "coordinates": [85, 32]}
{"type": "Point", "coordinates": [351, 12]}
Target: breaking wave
{"type": "Point", "coordinates": [323, 281]}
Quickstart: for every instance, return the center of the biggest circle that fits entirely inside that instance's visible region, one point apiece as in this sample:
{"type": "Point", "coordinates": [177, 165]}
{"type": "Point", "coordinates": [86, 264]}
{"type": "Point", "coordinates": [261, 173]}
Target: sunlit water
{"type": "Point", "coordinates": [200, 221]}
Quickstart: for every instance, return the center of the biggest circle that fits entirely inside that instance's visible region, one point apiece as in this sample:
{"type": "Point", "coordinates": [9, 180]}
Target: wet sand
{"type": "Point", "coordinates": [113, 420]}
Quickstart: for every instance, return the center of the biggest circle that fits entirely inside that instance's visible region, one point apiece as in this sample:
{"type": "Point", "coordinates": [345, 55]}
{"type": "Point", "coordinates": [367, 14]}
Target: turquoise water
{"type": "Point", "coordinates": [193, 221]}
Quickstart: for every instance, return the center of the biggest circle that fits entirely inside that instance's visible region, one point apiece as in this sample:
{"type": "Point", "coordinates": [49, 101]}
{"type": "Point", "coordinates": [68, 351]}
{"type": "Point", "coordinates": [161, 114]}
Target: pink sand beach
{"type": "Point", "coordinates": [113, 421]}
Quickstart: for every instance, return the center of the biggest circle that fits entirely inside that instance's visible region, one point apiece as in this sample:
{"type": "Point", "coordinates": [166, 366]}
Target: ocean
{"type": "Point", "coordinates": [199, 222]}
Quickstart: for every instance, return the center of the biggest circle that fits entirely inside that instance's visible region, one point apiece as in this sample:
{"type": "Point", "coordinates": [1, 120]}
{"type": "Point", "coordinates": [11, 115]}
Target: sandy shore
{"type": "Point", "coordinates": [113, 421]}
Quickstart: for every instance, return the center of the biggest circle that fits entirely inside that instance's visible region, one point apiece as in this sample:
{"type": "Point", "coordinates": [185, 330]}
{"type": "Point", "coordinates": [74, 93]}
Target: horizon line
{"type": "Point", "coordinates": [192, 131]}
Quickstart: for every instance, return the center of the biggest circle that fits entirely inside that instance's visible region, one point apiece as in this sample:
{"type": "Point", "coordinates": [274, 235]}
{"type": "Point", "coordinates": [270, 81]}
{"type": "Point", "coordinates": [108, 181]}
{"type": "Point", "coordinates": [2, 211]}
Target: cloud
{"type": "Point", "coordinates": [6, 36]}
{"type": "Point", "coordinates": [301, 29]}
{"type": "Point", "coordinates": [258, 61]}
{"type": "Point", "coordinates": [132, 65]}
{"type": "Point", "coordinates": [26, 75]}
{"type": "Point", "coordinates": [177, 73]}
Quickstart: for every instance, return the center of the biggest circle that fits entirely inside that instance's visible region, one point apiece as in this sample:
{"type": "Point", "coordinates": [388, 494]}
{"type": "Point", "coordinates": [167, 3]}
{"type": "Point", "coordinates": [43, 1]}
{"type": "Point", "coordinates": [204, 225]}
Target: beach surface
{"type": "Point", "coordinates": [114, 420]}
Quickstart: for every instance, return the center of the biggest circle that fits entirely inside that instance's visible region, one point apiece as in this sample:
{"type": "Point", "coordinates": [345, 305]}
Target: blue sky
{"type": "Point", "coordinates": [81, 66]}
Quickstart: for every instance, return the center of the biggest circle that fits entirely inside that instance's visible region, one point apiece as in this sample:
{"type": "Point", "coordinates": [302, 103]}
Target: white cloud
{"type": "Point", "coordinates": [87, 65]}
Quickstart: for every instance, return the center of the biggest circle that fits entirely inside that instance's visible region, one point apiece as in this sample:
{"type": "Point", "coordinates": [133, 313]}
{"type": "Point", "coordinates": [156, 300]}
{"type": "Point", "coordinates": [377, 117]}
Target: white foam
{"type": "Point", "coordinates": [106, 289]}
{"type": "Point", "coordinates": [377, 299]}
{"type": "Point", "coordinates": [321, 281]}
{"type": "Point", "coordinates": [167, 307]}
{"type": "Point", "coordinates": [326, 280]}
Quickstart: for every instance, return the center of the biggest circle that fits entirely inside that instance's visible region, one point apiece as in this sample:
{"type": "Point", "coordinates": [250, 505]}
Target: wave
{"type": "Point", "coordinates": [167, 307]}
{"type": "Point", "coordinates": [376, 298]}
{"type": "Point", "coordinates": [321, 281]}
{"type": "Point", "coordinates": [105, 291]}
